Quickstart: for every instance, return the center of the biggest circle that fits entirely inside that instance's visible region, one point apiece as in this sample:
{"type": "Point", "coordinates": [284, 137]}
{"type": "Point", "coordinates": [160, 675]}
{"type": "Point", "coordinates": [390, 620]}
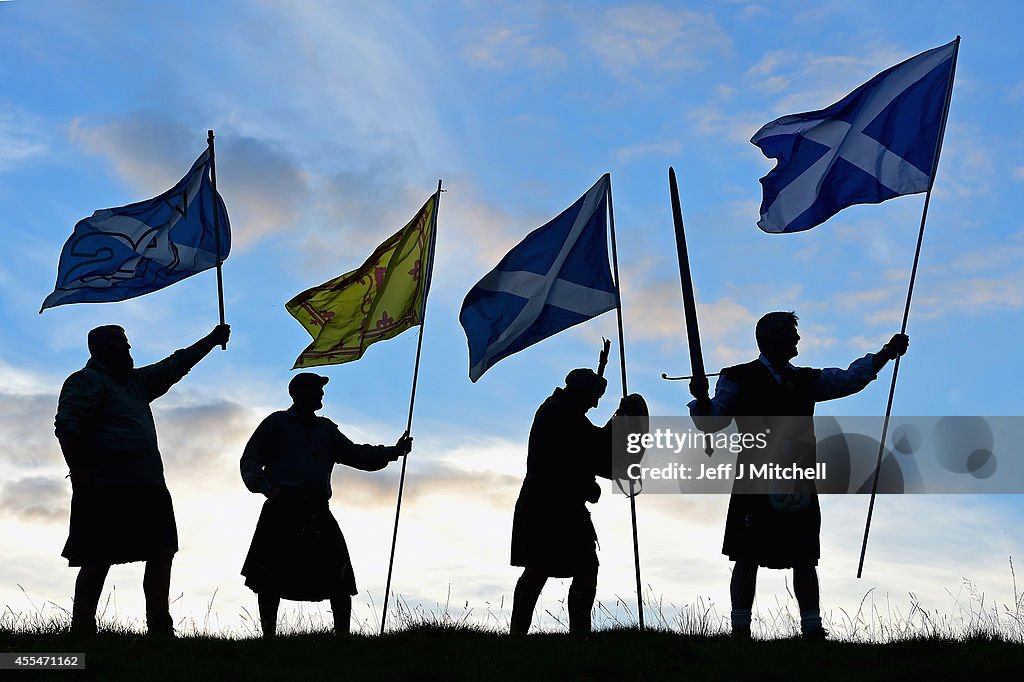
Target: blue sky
{"type": "Point", "coordinates": [334, 122]}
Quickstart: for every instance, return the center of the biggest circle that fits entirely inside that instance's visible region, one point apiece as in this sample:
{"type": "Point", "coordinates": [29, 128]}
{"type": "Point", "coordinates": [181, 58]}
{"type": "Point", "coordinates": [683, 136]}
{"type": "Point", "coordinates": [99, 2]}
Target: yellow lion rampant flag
{"type": "Point", "coordinates": [379, 300]}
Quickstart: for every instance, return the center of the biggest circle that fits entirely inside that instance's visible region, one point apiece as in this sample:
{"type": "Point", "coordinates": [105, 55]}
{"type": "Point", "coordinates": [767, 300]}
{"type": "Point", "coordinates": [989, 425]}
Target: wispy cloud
{"type": "Point", "coordinates": [512, 46]}
{"type": "Point", "coordinates": [644, 150]}
{"type": "Point", "coordinates": [637, 41]}
{"type": "Point", "coordinates": [21, 140]}
{"type": "Point", "coordinates": [265, 190]}
{"type": "Point", "coordinates": [36, 498]}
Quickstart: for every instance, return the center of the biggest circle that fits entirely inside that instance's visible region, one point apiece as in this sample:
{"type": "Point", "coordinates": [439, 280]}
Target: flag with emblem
{"type": "Point", "coordinates": [557, 277]}
{"type": "Point", "coordinates": [120, 253]}
{"type": "Point", "coordinates": [378, 300]}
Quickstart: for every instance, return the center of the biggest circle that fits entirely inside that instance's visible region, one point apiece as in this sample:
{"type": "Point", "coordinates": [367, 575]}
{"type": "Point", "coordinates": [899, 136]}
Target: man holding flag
{"type": "Point", "coordinates": [298, 551]}
{"type": "Point", "coordinates": [552, 534]}
{"type": "Point", "coordinates": [379, 300]}
{"type": "Point", "coordinates": [881, 141]}
{"type": "Point", "coordinates": [764, 396]}
{"type": "Point", "coordinates": [120, 508]}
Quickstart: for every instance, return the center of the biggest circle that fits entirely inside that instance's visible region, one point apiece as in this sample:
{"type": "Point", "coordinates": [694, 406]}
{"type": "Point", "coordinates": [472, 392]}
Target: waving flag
{"type": "Point", "coordinates": [557, 277]}
{"type": "Point", "coordinates": [878, 142]}
{"type": "Point", "coordinates": [379, 300]}
{"type": "Point", "coordinates": [121, 253]}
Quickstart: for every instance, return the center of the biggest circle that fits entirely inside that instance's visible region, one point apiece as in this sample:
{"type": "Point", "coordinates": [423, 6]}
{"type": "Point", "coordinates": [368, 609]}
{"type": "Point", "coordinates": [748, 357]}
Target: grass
{"type": "Point", "coordinates": [472, 652]}
{"type": "Point", "coordinates": [973, 640]}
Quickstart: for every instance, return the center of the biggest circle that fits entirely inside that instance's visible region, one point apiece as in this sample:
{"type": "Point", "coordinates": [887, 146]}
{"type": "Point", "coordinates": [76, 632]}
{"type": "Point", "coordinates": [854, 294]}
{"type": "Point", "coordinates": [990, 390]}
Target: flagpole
{"type": "Point", "coordinates": [216, 231]}
{"type": "Point", "coordinates": [906, 309]}
{"type": "Point", "coordinates": [427, 273]}
{"type": "Point", "coordinates": [625, 392]}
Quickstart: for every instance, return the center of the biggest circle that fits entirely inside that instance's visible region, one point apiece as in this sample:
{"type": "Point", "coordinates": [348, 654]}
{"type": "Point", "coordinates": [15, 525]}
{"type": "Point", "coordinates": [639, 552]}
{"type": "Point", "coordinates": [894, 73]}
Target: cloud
{"type": "Point", "coordinates": [476, 232]}
{"type": "Point", "coordinates": [26, 431]}
{"type": "Point", "coordinates": [751, 11]}
{"type": "Point", "coordinates": [37, 498]}
{"type": "Point", "coordinates": [985, 280]}
{"type": "Point", "coordinates": [427, 482]}
{"type": "Point", "coordinates": [771, 62]}
{"type": "Point", "coordinates": [973, 296]}
{"type": "Point", "coordinates": [509, 46]}
{"type": "Point", "coordinates": [644, 150]}
{"type": "Point", "coordinates": [966, 168]}
{"type": "Point", "coordinates": [721, 321]}
{"type": "Point", "coordinates": [264, 189]}
{"type": "Point", "coordinates": [637, 41]}
{"type": "Point", "coordinates": [712, 119]}
{"type": "Point", "coordinates": [795, 81]}
{"type": "Point", "coordinates": [820, 80]}
{"type": "Point", "coordinates": [20, 140]}
{"type": "Point", "coordinates": [357, 209]}
{"type": "Point", "coordinates": [148, 151]}
{"type": "Point", "coordinates": [202, 442]}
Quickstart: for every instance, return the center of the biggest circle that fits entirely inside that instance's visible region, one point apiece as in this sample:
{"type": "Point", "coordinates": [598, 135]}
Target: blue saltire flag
{"type": "Point", "coordinates": [557, 277]}
{"type": "Point", "coordinates": [878, 142]}
{"type": "Point", "coordinates": [121, 253]}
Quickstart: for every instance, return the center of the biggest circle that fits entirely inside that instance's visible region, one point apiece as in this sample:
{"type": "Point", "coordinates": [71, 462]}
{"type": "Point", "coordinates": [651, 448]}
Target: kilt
{"type": "Point", "coordinates": [120, 524]}
{"type": "Point", "coordinates": [553, 538]}
{"type": "Point", "coordinates": [298, 551]}
{"type": "Point", "coordinates": [754, 531]}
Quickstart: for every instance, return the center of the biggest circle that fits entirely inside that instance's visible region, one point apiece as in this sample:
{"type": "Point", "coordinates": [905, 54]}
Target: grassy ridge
{"type": "Point", "coordinates": [466, 653]}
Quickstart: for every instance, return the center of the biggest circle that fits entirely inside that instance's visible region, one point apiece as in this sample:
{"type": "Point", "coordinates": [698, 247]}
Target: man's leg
{"type": "Point", "coordinates": [582, 592]}
{"type": "Point", "coordinates": [741, 590]}
{"type": "Point", "coordinates": [524, 600]}
{"type": "Point", "coordinates": [341, 605]}
{"type": "Point", "coordinates": [88, 587]}
{"type": "Point", "coordinates": [156, 584]}
{"type": "Point", "coordinates": [268, 603]}
{"type": "Point", "coordinates": [805, 586]}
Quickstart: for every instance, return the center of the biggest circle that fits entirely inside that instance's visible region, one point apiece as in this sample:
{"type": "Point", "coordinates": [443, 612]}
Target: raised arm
{"type": "Point", "coordinates": [158, 378]}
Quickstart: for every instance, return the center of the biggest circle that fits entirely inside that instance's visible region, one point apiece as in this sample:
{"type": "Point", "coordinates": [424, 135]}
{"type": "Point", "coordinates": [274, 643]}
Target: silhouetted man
{"type": "Point", "coordinates": [777, 530]}
{"type": "Point", "coordinates": [120, 507]}
{"type": "Point", "coordinates": [298, 551]}
{"type": "Point", "coordinates": [552, 534]}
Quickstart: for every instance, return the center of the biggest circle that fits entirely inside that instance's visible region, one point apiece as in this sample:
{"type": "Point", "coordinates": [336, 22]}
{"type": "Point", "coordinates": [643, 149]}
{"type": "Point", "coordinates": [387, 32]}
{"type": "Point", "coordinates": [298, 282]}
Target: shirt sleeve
{"type": "Point", "coordinates": [839, 383]}
{"type": "Point", "coordinates": [723, 406]}
{"type": "Point", "coordinates": [80, 400]}
{"type": "Point", "coordinates": [157, 379]}
{"type": "Point", "coordinates": [254, 459]}
{"type": "Point", "coordinates": [360, 456]}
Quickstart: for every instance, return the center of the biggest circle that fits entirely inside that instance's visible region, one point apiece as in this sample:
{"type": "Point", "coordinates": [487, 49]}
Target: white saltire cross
{"type": "Point", "coordinates": [848, 141]}
{"type": "Point", "coordinates": [547, 289]}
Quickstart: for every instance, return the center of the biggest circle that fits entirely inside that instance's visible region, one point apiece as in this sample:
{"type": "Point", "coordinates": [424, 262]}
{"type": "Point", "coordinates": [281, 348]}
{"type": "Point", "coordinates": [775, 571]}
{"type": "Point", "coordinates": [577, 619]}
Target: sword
{"type": "Point", "coordinates": [689, 304]}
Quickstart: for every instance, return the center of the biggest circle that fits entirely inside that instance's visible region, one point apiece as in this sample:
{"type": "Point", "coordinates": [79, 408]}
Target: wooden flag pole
{"type": "Point", "coordinates": [428, 272]}
{"type": "Point", "coordinates": [906, 309]}
{"type": "Point", "coordinates": [625, 392]}
{"type": "Point", "coordinates": [216, 231]}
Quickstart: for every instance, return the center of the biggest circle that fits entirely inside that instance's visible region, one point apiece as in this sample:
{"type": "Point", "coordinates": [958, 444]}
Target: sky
{"type": "Point", "coordinates": [334, 122]}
